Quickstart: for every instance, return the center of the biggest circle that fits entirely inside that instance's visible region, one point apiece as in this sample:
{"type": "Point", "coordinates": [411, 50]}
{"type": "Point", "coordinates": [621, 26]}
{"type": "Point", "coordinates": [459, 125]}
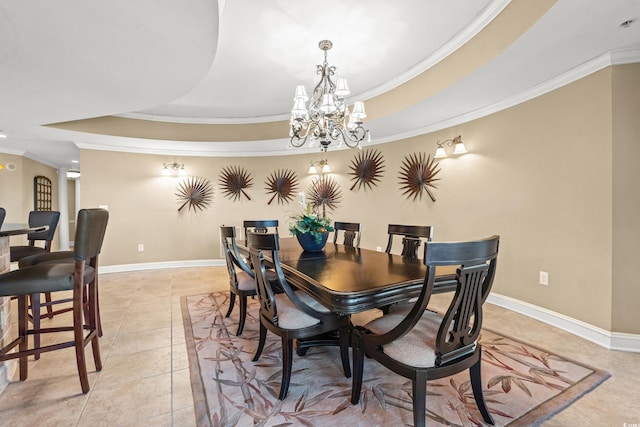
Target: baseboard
{"type": "Point", "coordinates": [602, 337]}
{"type": "Point", "coordinates": [160, 265]}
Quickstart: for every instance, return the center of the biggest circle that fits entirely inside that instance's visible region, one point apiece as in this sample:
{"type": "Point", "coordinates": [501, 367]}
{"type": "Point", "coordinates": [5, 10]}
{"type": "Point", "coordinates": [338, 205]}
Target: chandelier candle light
{"type": "Point", "coordinates": [328, 117]}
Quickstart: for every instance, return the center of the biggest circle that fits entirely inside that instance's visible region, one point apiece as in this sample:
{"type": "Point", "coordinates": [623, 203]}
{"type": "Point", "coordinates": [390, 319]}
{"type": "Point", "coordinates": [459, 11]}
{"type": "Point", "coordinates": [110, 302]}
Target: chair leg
{"type": "Point", "coordinates": [344, 350]}
{"type": "Point", "coordinates": [93, 322]}
{"type": "Point", "coordinates": [263, 338]}
{"type": "Point", "coordinates": [232, 301]}
{"type": "Point", "coordinates": [24, 336]}
{"type": "Point", "coordinates": [358, 368]}
{"type": "Point", "coordinates": [243, 314]}
{"type": "Point", "coordinates": [35, 316]}
{"type": "Point", "coordinates": [476, 386]}
{"type": "Point", "coordinates": [78, 333]}
{"type": "Point", "coordinates": [419, 399]}
{"type": "Point", "coordinates": [287, 362]}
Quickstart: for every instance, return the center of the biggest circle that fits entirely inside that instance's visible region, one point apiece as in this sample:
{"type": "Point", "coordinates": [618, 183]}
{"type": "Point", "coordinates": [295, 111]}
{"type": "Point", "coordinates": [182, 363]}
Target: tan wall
{"type": "Point", "coordinates": [626, 198]}
{"type": "Point", "coordinates": [16, 191]}
{"type": "Point", "coordinates": [10, 181]}
{"type": "Point", "coordinates": [539, 174]}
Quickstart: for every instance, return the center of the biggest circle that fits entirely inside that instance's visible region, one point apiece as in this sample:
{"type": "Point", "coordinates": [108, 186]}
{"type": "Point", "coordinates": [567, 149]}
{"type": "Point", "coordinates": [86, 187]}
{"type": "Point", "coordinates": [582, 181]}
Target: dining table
{"type": "Point", "coordinates": [349, 280]}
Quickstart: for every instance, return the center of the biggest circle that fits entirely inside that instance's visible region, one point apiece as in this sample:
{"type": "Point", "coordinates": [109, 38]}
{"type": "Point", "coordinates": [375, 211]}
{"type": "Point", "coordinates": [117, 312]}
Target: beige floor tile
{"type": "Point", "coordinates": [145, 376]}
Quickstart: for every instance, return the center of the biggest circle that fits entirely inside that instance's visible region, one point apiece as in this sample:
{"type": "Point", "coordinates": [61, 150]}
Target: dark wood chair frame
{"type": "Point", "coordinates": [37, 219]}
{"type": "Point", "coordinates": [456, 345]}
{"type": "Point", "coordinates": [259, 226]}
{"type": "Point", "coordinates": [352, 231]}
{"type": "Point", "coordinates": [412, 236]}
{"type": "Point", "coordinates": [260, 244]}
{"type": "Point", "coordinates": [80, 277]}
{"type": "Point", "coordinates": [234, 261]}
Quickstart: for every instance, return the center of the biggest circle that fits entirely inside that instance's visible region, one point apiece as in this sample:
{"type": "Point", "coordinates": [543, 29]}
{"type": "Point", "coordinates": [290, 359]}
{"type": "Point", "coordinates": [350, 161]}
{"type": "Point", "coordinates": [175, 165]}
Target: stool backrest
{"type": "Point", "coordinates": [90, 229]}
{"type": "Point", "coordinates": [40, 218]}
{"type": "Point", "coordinates": [3, 213]}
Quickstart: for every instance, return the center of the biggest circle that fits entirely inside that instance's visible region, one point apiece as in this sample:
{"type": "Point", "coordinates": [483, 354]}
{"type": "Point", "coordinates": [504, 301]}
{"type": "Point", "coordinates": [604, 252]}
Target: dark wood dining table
{"type": "Point", "coordinates": [350, 280]}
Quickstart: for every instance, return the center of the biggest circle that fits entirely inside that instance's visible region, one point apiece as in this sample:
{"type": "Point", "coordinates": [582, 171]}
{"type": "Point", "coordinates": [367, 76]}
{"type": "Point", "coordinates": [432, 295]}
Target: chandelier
{"type": "Point", "coordinates": [328, 117]}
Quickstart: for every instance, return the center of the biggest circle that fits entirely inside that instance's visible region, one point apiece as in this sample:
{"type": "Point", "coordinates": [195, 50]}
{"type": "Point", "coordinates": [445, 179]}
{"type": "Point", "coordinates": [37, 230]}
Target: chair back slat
{"type": "Point", "coordinates": [90, 230]}
{"type": "Point", "coordinates": [352, 232]}
{"type": "Point", "coordinates": [232, 254]}
{"type": "Point", "coordinates": [412, 236]}
{"type": "Point", "coordinates": [259, 242]}
{"type": "Point", "coordinates": [259, 226]}
{"type": "Point", "coordinates": [462, 322]}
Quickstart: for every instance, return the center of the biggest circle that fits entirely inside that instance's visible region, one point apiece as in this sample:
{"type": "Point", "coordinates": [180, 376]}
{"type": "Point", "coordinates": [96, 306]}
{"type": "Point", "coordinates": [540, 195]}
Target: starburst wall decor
{"type": "Point", "coordinates": [283, 184]}
{"type": "Point", "coordinates": [195, 192]}
{"type": "Point", "coordinates": [324, 193]}
{"type": "Point", "coordinates": [234, 180]}
{"type": "Point", "coordinates": [366, 168]}
{"type": "Point", "coordinates": [417, 176]}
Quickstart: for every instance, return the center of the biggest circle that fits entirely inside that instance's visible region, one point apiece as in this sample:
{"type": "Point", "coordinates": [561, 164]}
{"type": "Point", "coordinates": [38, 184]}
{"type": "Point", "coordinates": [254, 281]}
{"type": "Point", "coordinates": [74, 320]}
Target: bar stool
{"type": "Point", "coordinates": [79, 277]}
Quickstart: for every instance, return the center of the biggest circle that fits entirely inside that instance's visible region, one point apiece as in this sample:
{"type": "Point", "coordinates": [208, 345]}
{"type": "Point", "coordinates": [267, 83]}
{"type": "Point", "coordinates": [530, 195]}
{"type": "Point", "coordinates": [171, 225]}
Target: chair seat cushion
{"type": "Point", "coordinates": [58, 256]}
{"type": "Point", "coordinates": [291, 317]}
{"type": "Point", "coordinates": [49, 277]}
{"type": "Point", "coordinates": [245, 281]}
{"type": "Point", "coordinates": [18, 252]}
{"type": "Point", "coordinates": [417, 347]}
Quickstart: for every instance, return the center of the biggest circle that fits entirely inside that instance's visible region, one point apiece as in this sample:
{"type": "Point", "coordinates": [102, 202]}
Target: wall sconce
{"type": "Point", "coordinates": [174, 169]}
{"type": "Point", "coordinates": [456, 143]}
{"type": "Point", "coordinates": [322, 164]}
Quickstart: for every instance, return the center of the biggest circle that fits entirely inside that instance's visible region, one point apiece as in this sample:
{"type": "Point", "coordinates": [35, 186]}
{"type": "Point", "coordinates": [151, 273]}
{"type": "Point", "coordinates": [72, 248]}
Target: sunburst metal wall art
{"type": "Point", "coordinates": [196, 192]}
{"type": "Point", "coordinates": [366, 169]}
{"type": "Point", "coordinates": [324, 193]}
{"type": "Point", "coordinates": [417, 175]}
{"type": "Point", "coordinates": [282, 183]}
{"type": "Point", "coordinates": [234, 180]}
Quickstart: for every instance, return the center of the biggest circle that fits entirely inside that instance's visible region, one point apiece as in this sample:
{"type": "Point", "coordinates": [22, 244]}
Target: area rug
{"type": "Point", "coordinates": [523, 385]}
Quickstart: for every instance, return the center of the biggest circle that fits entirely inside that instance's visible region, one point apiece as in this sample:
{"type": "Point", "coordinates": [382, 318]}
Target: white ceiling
{"type": "Point", "coordinates": [239, 62]}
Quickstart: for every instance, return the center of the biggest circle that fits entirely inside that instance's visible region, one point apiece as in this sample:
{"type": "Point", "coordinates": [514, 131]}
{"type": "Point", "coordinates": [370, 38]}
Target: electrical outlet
{"type": "Point", "coordinates": [140, 247]}
{"type": "Point", "coordinates": [379, 248]}
{"type": "Point", "coordinates": [544, 278]}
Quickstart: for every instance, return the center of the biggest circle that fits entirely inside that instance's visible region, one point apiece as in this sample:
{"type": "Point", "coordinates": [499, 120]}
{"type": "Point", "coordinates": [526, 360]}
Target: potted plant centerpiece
{"type": "Point", "coordinates": [311, 229]}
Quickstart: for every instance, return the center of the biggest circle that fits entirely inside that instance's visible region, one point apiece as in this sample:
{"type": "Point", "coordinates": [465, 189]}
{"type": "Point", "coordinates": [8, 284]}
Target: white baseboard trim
{"type": "Point", "coordinates": [609, 340]}
{"type": "Point", "coordinates": [602, 337]}
{"type": "Point", "coordinates": [160, 265]}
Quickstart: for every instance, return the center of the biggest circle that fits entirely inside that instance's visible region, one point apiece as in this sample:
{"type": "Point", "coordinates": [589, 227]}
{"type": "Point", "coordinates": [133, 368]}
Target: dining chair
{"type": "Point", "coordinates": [260, 226]}
{"type": "Point", "coordinates": [412, 236]}
{"type": "Point", "coordinates": [241, 277]}
{"type": "Point", "coordinates": [292, 315]}
{"type": "Point", "coordinates": [422, 345]}
{"type": "Point", "coordinates": [351, 232]}
{"type": "Point", "coordinates": [80, 277]}
{"type": "Point", "coordinates": [3, 213]}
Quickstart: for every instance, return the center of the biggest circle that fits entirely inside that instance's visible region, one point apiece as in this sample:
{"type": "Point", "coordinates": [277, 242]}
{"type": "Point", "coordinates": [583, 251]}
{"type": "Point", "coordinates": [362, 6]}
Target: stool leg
{"type": "Point", "coordinates": [47, 298]}
{"type": "Point", "coordinates": [22, 333]}
{"type": "Point", "coordinates": [35, 315]}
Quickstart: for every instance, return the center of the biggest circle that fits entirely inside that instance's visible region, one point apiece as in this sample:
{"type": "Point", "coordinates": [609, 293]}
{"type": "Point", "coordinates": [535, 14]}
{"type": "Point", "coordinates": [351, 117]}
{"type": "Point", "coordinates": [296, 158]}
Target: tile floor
{"type": "Point", "coordinates": [145, 376]}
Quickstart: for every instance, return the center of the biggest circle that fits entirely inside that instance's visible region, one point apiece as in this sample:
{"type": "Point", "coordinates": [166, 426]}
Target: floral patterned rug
{"type": "Point", "coordinates": [524, 385]}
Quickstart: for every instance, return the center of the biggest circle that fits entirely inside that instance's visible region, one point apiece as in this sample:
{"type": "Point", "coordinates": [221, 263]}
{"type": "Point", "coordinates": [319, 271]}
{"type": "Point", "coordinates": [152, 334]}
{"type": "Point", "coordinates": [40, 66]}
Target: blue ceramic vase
{"type": "Point", "coordinates": [309, 244]}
